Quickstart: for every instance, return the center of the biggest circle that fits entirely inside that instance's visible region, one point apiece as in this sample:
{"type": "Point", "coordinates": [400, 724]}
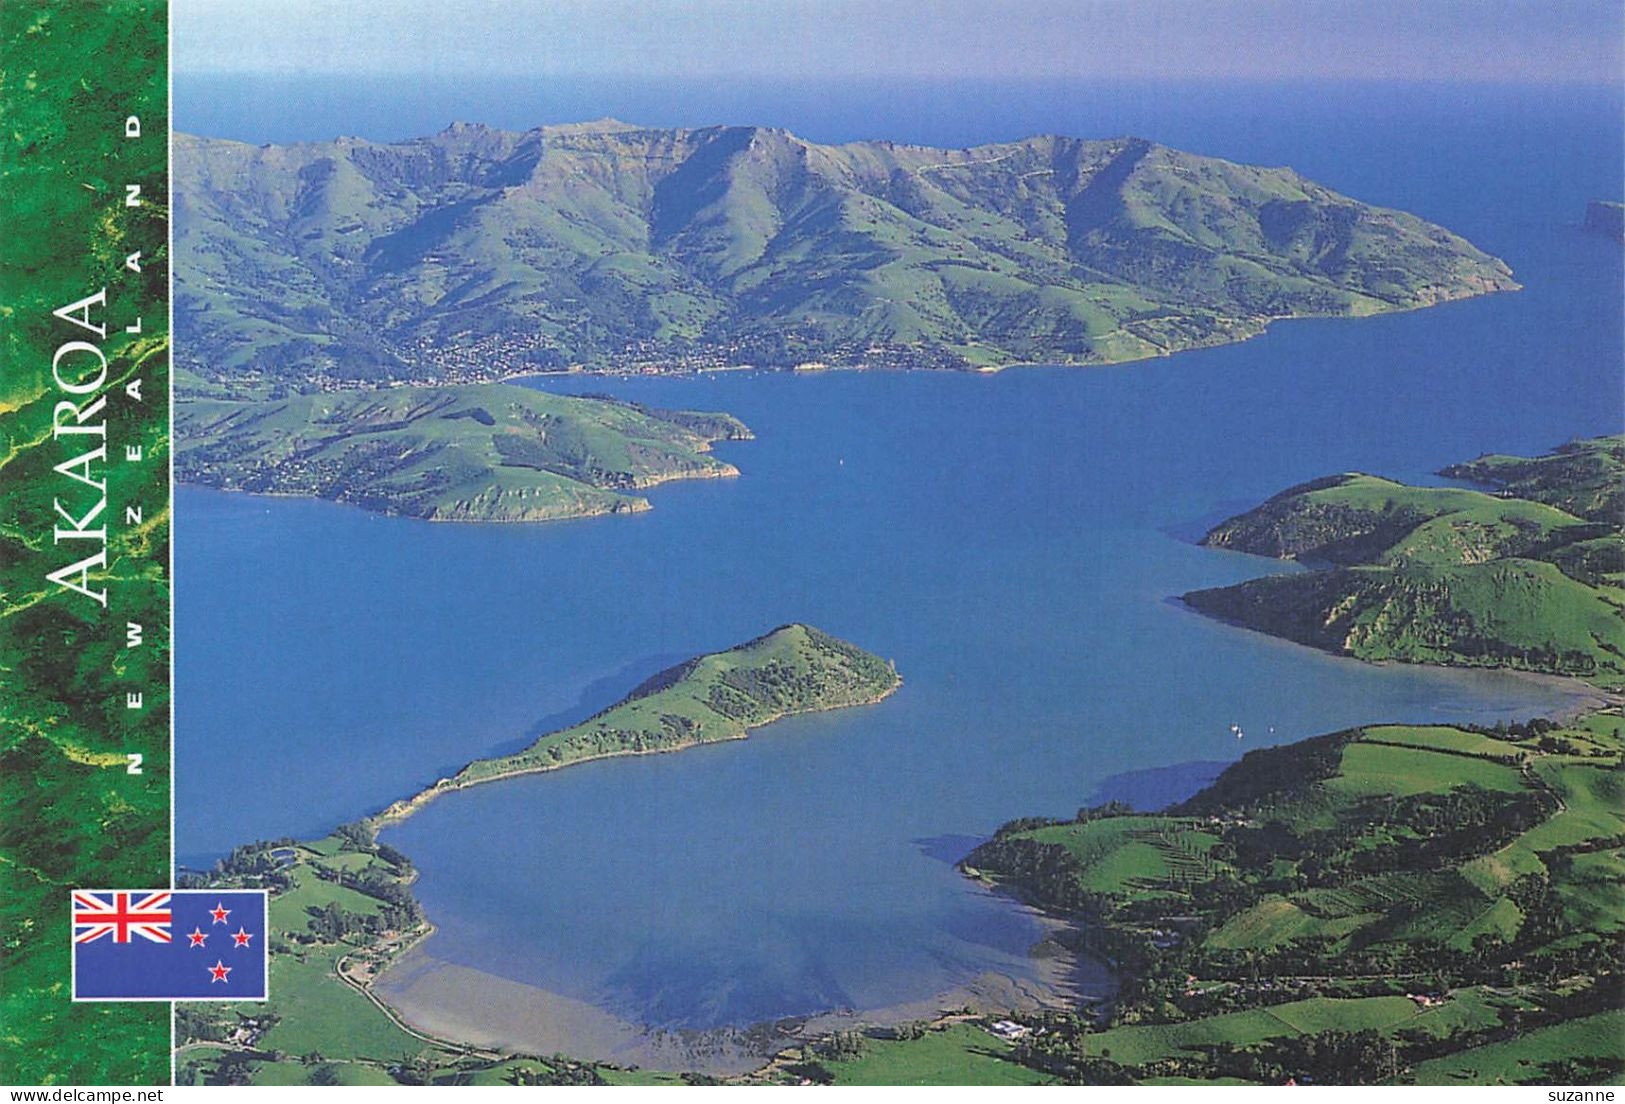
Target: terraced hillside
{"type": "Point", "coordinates": [1389, 903]}
{"type": "Point", "coordinates": [1528, 576]}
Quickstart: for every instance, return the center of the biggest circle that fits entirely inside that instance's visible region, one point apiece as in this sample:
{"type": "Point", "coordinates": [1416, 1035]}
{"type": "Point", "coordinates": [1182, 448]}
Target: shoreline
{"type": "Point", "coordinates": [629, 503]}
{"type": "Point", "coordinates": [465, 1010]}
{"type": "Point", "coordinates": [449, 1000]}
{"type": "Point", "coordinates": [1264, 325]}
{"type": "Point", "coordinates": [398, 811]}
{"type": "Point", "coordinates": [1587, 696]}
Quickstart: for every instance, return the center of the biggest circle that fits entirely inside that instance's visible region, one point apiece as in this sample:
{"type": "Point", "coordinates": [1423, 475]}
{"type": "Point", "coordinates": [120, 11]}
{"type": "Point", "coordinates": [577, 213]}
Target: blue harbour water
{"type": "Point", "coordinates": [1012, 542]}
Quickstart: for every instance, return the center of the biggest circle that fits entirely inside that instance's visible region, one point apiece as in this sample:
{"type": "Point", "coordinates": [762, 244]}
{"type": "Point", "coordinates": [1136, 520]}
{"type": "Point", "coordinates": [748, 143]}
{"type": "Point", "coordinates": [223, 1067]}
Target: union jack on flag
{"type": "Point", "coordinates": [122, 915]}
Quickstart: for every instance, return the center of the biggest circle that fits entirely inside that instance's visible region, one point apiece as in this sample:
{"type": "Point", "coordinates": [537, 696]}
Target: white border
{"type": "Point", "coordinates": [265, 953]}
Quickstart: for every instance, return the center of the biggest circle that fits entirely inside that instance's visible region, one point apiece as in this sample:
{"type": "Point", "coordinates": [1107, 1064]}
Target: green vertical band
{"type": "Point", "coordinates": [84, 516]}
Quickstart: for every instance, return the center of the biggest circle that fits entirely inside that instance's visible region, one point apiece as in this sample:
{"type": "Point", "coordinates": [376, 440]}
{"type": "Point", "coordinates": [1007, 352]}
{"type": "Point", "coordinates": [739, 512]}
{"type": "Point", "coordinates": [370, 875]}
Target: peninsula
{"type": "Point", "coordinates": [721, 696]}
{"type": "Point", "coordinates": [474, 452]}
{"type": "Point", "coordinates": [476, 254]}
{"type": "Point", "coordinates": [1527, 575]}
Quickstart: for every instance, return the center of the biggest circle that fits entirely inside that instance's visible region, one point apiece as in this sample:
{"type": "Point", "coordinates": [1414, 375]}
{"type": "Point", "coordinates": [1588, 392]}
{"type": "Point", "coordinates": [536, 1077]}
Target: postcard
{"type": "Point", "coordinates": [814, 542]}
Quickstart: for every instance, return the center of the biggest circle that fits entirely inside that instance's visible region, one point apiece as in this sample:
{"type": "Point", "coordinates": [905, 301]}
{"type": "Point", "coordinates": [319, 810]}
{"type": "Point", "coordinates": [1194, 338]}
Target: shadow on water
{"type": "Point", "coordinates": [600, 694]}
{"type": "Point", "coordinates": [948, 848]}
{"type": "Point", "coordinates": [1145, 790]}
{"type": "Point", "coordinates": [596, 697]}
{"type": "Point", "coordinates": [1192, 530]}
{"type": "Point", "coordinates": [1157, 787]}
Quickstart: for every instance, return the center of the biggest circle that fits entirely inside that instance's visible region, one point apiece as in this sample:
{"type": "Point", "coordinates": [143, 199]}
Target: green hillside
{"type": "Point", "coordinates": [1528, 577]}
{"type": "Point", "coordinates": [1394, 903]}
{"type": "Point", "coordinates": [476, 253]}
{"type": "Point", "coordinates": [954, 1052]}
{"type": "Point", "coordinates": [1586, 478]}
{"type": "Point", "coordinates": [471, 452]}
{"type": "Point", "coordinates": [720, 696]}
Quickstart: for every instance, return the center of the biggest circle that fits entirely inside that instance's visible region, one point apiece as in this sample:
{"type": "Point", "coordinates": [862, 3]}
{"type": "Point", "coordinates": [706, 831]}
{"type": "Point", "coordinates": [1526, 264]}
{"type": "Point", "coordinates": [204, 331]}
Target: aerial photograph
{"type": "Point", "coordinates": [1111, 513]}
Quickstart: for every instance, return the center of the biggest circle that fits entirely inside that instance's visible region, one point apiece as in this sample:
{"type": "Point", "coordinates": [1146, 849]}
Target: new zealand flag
{"type": "Point", "coordinates": [169, 944]}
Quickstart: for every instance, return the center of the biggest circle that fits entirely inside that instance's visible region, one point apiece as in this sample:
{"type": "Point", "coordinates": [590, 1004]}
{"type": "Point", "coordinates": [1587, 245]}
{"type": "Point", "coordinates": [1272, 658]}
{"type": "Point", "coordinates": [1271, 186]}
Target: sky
{"type": "Point", "coordinates": [1487, 41]}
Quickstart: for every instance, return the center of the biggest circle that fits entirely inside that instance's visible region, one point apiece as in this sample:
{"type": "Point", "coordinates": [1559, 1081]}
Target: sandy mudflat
{"type": "Point", "coordinates": [1064, 979]}
{"type": "Point", "coordinates": [1586, 697]}
{"type": "Point", "coordinates": [1579, 696]}
{"type": "Point", "coordinates": [458, 1002]}
{"type": "Point", "coordinates": [469, 1005]}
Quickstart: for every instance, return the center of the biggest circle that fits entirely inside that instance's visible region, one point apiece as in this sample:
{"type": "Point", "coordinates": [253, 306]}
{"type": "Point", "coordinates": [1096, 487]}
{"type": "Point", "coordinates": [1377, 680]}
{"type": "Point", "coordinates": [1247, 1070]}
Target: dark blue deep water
{"type": "Point", "coordinates": [1012, 542]}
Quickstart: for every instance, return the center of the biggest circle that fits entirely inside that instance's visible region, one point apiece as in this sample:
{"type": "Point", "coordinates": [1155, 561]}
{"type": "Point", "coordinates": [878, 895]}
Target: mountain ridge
{"type": "Point", "coordinates": [477, 252]}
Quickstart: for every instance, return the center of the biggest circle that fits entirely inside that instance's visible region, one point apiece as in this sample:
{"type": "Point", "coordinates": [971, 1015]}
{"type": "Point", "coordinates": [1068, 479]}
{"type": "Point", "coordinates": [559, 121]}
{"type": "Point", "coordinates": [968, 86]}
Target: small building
{"type": "Point", "coordinates": [1009, 1029]}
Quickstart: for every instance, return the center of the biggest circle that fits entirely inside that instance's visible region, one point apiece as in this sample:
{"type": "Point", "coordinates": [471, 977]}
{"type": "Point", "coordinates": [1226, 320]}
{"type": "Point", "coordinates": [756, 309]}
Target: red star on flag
{"type": "Point", "coordinates": [219, 912]}
{"type": "Point", "coordinates": [240, 938]}
{"type": "Point", "coordinates": [197, 938]}
{"type": "Point", "coordinates": [218, 971]}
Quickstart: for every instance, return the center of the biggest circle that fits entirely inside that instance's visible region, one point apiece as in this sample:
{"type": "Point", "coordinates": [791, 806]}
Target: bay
{"type": "Point", "coordinates": [1012, 542]}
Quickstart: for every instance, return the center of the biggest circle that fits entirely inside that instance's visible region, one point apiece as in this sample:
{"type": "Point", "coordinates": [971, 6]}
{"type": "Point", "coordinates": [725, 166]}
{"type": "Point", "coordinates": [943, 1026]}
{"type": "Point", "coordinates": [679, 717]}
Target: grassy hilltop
{"type": "Point", "coordinates": [1529, 576]}
{"type": "Point", "coordinates": [721, 696]}
{"type": "Point", "coordinates": [1396, 903]}
{"type": "Point", "coordinates": [478, 252]}
{"type": "Point", "coordinates": [475, 452]}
